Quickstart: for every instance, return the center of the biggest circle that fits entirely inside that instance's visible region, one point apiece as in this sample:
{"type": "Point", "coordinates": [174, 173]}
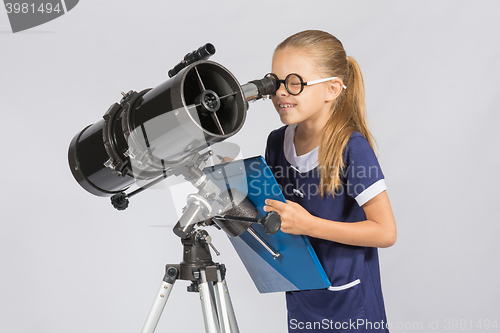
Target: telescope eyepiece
{"type": "Point", "coordinates": [267, 85]}
{"type": "Point", "coordinates": [202, 53]}
{"type": "Point", "coordinates": [258, 89]}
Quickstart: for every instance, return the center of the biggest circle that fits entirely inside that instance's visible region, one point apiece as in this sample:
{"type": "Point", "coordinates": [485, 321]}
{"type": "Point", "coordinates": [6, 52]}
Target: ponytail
{"type": "Point", "coordinates": [348, 116]}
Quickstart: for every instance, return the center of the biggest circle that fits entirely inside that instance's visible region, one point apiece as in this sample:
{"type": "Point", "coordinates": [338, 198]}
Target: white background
{"type": "Point", "coordinates": [71, 263]}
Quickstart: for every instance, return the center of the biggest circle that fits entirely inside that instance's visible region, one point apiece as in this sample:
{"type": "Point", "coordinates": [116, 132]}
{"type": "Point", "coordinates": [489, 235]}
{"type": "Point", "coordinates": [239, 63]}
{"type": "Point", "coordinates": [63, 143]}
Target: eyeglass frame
{"type": "Point", "coordinates": [302, 83]}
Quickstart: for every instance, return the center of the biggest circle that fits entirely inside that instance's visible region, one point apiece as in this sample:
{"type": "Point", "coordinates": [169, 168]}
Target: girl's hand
{"type": "Point", "coordinates": [294, 218]}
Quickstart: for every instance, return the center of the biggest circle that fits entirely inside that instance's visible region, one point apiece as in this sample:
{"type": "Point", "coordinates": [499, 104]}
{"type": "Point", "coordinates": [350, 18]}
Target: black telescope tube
{"type": "Point", "coordinates": [109, 156]}
{"type": "Point", "coordinates": [203, 53]}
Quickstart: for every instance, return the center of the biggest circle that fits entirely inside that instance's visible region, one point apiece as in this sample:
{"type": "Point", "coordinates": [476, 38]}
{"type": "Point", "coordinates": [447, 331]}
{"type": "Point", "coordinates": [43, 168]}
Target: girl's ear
{"type": "Point", "coordinates": [334, 87]}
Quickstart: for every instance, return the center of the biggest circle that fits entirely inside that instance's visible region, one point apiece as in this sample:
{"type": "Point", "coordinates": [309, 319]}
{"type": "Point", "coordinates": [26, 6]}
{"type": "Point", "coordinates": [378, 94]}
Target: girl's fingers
{"type": "Point", "coordinates": [275, 204]}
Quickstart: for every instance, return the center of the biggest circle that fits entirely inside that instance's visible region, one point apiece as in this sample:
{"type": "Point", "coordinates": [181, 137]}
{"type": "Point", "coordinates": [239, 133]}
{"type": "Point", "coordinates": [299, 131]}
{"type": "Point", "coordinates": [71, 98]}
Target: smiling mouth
{"type": "Point", "coordinates": [286, 106]}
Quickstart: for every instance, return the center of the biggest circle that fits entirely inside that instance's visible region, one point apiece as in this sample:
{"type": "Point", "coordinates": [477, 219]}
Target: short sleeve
{"type": "Point", "coordinates": [365, 179]}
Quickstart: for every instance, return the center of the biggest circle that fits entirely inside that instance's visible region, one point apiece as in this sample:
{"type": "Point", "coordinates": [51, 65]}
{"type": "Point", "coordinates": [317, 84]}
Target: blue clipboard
{"type": "Point", "coordinates": [297, 267]}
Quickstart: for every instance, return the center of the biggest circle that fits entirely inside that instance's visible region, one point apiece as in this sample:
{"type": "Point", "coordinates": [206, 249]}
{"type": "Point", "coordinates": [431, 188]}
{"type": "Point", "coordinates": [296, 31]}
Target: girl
{"type": "Point", "coordinates": [323, 160]}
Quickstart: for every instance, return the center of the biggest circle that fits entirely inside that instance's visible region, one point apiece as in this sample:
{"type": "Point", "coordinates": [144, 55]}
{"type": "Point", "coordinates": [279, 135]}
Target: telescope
{"type": "Point", "coordinates": [152, 132]}
{"type": "Point", "coordinates": [155, 133]}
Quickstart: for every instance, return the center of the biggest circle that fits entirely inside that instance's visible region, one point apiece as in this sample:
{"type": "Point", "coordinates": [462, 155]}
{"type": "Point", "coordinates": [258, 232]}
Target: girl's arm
{"type": "Point", "coordinates": [378, 230]}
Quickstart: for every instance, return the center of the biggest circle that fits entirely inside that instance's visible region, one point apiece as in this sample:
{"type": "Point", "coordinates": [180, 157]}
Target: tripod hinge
{"type": "Point", "coordinates": [171, 273]}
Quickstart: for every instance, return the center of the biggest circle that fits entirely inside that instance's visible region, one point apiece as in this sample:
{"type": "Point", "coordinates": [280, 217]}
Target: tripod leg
{"type": "Point", "coordinates": [160, 300]}
{"type": "Point", "coordinates": [224, 306]}
{"type": "Point", "coordinates": [207, 305]}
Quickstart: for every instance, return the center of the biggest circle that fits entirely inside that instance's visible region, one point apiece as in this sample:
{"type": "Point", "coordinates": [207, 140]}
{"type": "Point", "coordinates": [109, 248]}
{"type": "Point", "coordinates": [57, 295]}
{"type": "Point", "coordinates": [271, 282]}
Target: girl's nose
{"type": "Point", "coordinates": [282, 90]}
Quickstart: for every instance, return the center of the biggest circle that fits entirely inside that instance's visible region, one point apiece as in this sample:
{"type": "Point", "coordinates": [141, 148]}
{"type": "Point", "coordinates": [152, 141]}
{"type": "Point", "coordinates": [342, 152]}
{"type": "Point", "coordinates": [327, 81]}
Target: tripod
{"type": "Point", "coordinates": [207, 277]}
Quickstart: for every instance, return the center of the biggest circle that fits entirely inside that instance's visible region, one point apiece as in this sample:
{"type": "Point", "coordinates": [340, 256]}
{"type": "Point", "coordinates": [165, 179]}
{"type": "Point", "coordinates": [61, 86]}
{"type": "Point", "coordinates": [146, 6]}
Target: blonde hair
{"type": "Point", "coordinates": [348, 110]}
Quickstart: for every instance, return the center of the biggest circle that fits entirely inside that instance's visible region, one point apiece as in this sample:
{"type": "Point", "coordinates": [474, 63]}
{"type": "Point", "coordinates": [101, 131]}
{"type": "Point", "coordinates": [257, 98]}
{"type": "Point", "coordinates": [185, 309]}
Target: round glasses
{"type": "Point", "coordinates": [294, 83]}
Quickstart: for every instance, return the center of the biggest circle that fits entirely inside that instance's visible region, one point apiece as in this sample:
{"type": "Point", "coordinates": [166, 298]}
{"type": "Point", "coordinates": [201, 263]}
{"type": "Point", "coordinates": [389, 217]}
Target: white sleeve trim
{"type": "Point", "coordinates": [345, 286]}
{"type": "Point", "coordinates": [371, 192]}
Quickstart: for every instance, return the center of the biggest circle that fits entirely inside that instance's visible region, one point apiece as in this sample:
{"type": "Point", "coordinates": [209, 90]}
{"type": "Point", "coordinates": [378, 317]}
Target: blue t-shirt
{"type": "Point", "coordinates": [354, 302]}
